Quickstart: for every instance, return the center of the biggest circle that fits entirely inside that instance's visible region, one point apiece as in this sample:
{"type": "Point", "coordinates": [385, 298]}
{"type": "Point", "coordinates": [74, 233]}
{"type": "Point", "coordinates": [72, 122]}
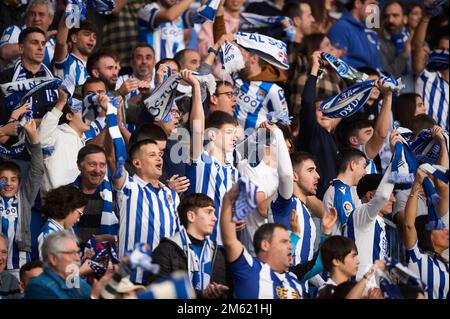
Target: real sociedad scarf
{"type": "Point", "coordinates": [344, 70]}
{"type": "Point", "coordinates": [209, 9]}
{"type": "Point", "coordinates": [433, 198]}
{"type": "Point", "coordinates": [199, 267]}
{"type": "Point", "coordinates": [348, 101]}
{"type": "Point", "coordinates": [103, 7]}
{"type": "Point", "coordinates": [20, 88]}
{"type": "Point", "coordinates": [404, 165]}
{"type": "Point", "coordinates": [279, 116]}
{"type": "Point", "coordinates": [438, 60]}
{"type": "Point", "coordinates": [109, 223]}
{"type": "Point", "coordinates": [159, 103]}
{"type": "Point", "coordinates": [271, 50]}
{"type": "Point", "coordinates": [75, 12]}
{"type": "Point", "coordinates": [426, 149]}
{"type": "Point", "coordinates": [252, 21]}
{"type": "Point", "coordinates": [118, 142]}
{"type": "Point", "coordinates": [231, 59]}
{"type": "Point", "coordinates": [245, 202]}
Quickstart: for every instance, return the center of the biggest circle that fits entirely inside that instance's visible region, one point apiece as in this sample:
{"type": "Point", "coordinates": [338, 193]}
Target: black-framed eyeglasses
{"type": "Point", "coordinates": [229, 94]}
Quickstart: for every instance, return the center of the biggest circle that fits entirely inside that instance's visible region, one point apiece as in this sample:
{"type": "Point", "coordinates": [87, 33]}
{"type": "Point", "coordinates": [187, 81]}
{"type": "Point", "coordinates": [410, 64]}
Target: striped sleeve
{"type": "Point", "coordinates": [147, 15]}
{"type": "Point", "coordinates": [413, 254]}
{"type": "Point", "coordinates": [277, 99]}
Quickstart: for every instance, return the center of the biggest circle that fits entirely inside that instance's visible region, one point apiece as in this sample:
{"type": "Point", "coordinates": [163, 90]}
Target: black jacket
{"type": "Point", "coordinates": [171, 257]}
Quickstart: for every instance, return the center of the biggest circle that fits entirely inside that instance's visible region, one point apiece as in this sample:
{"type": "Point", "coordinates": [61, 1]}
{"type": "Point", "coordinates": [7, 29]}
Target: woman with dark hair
{"type": "Point", "coordinates": [425, 247]}
{"type": "Point", "coordinates": [63, 207]}
{"type": "Point", "coordinates": [328, 85]}
{"type": "Point", "coordinates": [322, 11]}
{"type": "Point", "coordinates": [407, 107]}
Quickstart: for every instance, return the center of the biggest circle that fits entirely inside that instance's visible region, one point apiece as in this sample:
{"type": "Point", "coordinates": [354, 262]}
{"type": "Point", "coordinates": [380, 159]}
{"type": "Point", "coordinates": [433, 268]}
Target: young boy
{"type": "Point", "coordinates": [16, 201]}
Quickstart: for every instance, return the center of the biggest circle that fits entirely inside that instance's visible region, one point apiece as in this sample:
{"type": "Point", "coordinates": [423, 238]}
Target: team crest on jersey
{"type": "Point", "coordinates": [260, 95]}
{"type": "Point", "coordinates": [348, 208]}
{"type": "Point", "coordinates": [169, 198]}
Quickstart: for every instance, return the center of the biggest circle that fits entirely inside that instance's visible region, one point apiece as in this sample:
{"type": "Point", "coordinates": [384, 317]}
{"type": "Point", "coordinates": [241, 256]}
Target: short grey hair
{"type": "Point", "coordinates": [53, 243]}
{"type": "Point", "coordinates": [49, 5]}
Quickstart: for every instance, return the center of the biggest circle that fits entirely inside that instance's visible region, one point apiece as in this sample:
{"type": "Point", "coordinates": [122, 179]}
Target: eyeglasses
{"type": "Point", "coordinates": [229, 94]}
{"type": "Point", "coordinates": [80, 212]}
{"type": "Point", "coordinates": [70, 252]}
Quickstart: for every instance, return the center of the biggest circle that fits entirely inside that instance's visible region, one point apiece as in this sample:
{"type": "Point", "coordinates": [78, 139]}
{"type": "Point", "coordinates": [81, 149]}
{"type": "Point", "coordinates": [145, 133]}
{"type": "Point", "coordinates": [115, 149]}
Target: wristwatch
{"type": "Point", "coordinates": [211, 49]}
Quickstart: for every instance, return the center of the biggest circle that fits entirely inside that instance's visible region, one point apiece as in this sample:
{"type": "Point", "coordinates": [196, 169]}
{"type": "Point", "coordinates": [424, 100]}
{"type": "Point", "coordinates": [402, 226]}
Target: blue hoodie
{"type": "Point", "coordinates": [361, 42]}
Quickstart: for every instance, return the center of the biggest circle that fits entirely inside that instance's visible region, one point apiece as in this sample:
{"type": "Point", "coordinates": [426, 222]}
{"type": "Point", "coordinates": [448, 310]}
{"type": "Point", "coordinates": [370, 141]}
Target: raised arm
{"type": "Point", "coordinates": [219, 28]}
{"type": "Point", "coordinates": [167, 15]}
{"type": "Point", "coordinates": [197, 117]}
{"type": "Point", "coordinates": [411, 210]}
{"type": "Point", "coordinates": [61, 47]}
{"type": "Point", "coordinates": [50, 120]}
{"type": "Point", "coordinates": [30, 187]}
{"type": "Point", "coordinates": [233, 247]}
{"type": "Point", "coordinates": [284, 166]}
{"type": "Point", "coordinates": [382, 125]}
{"type": "Point", "coordinates": [419, 53]}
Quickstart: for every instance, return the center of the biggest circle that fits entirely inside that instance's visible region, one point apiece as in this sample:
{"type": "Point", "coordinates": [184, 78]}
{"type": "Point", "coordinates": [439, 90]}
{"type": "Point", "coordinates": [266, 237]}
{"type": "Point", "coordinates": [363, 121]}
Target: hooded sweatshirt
{"type": "Point", "coordinates": [361, 42]}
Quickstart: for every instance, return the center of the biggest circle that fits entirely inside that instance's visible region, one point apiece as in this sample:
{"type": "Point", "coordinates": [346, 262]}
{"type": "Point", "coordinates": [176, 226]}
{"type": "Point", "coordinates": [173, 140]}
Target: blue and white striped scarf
{"type": "Point", "coordinates": [20, 88]}
{"type": "Point", "coordinates": [348, 101]}
{"type": "Point", "coordinates": [109, 223]}
{"type": "Point", "coordinates": [438, 60]}
{"type": "Point", "coordinates": [271, 50]}
{"type": "Point", "coordinates": [199, 267]}
{"type": "Point", "coordinates": [389, 289]}
{"type": "Point", "coordinates": [404, 165]}
{"type": "Point", "coordinates": [245, 203]}
{"type": "Point", "coordinates": [344, 70]}
{"type": "Point", "coordinates": [119, 144]}
{"type": "Point", "coordinates": [402, 274]}
{"type": "Point", "coordinates": [426, 149]}
{"type": "Point", "coordinates": [433, 198]}
{"type": "Point", "coordinates": [174, 286]}
{"type": "Point", "coordinates": [252, 21]}
{"type": "Point", "coordinates": [159, 103]}
{"type": "Point", "coordinates": [231, 59]}
{"type": "Point", "coordinates": [209, 9]}
{"type": "Point", "coordinates": [75, 13]}
{"type": "Point", "coordinates": [140, 257]}
{"type": "Point", "coordinates": [399, 40]}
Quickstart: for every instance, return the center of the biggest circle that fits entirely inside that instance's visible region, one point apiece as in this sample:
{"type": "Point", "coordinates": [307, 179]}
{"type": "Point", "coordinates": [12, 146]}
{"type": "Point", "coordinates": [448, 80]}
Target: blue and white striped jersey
{"type": "Point", "coordinates": [254, 279]}
{"type": "Point", "coordinates": [9, 217]}
{"type": "Point", "coordinates": [342, 197]}
{"type": "Point", "coordinates": [370, 164]}
{"type": "Point", "coordinates": [49, 227]}
{"type": "Point", "coordinates": [72, 66]}
{"type": "Point", "coordinates": [11, 36]}
{"type": "Point", "coordinates": [280, 210]}
{"type": "Point", "coordinates": [166, 38]}
{"type": "Point", "coordinates": [432, 271]}
{"type": "Point", "coordinates": [435, 94]}
{"type": "Point", "coordinates": [255, 99]}
{"type": "Point", "coordinates": [147, 214]}
{"type": "Point", "coordinates": [209, 177]}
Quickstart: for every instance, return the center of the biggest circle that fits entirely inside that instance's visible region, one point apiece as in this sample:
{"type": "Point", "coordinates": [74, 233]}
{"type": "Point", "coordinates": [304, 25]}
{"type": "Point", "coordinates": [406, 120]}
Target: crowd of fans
{"type": "Point", "coordinates": [224, 149]}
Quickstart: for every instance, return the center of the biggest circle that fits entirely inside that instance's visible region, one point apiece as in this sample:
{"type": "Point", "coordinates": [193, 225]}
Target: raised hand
{"type": "Point", "coordinates": [17, 113]}
{"type": "Point", "coordinates": [295, 225]}
{"type": "Point", "coordinates": [179, 184]}
{"type": "Point", "coordinates": [328, 221]}
{"type": "Point", "coordinates": [31, 131]}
